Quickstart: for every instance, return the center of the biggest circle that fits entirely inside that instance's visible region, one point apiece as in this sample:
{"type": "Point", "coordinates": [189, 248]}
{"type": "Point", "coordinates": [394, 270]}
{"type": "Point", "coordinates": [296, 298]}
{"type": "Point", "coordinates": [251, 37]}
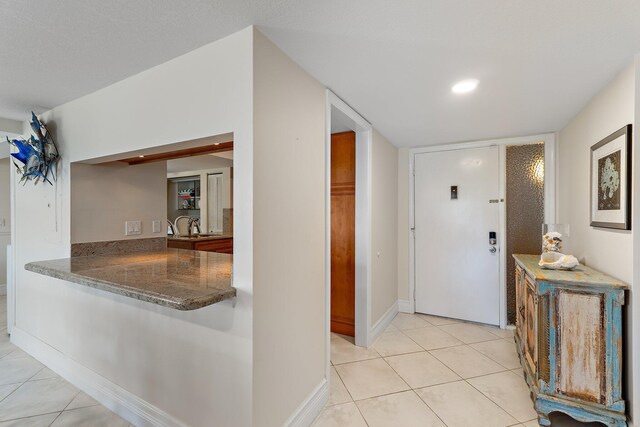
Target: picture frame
{"type": "Point", "coordinates": [611, 181]}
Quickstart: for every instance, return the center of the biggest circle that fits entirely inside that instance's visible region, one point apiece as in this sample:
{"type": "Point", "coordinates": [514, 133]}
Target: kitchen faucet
{"type": "Point", "coordinates": [194, 223]}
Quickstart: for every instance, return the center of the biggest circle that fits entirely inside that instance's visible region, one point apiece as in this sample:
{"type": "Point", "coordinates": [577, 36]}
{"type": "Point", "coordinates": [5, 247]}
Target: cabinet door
{"type": "Point", "coordinates": [581, 346]}
{"type": "Point", "coordinates": [520, 321]}
{"type": "Point", "coordinates": [531, 324]}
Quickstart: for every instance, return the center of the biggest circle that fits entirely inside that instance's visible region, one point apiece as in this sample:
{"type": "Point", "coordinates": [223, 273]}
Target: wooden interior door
{"type": "Point", "coordinates": [343, 233]}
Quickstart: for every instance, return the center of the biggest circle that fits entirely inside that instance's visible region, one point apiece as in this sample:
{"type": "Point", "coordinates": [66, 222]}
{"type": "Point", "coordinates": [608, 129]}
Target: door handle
{"type": "Point", "coordinates": [492, 238]}
{"type": "Point", "coordinates": [493, 249]}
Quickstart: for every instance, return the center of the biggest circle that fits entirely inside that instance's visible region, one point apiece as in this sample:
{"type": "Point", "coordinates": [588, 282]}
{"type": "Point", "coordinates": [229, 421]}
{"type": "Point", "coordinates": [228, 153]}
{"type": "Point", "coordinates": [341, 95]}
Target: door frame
{"type": "Point", "coordinates": [364, 142]}
{"type": "Point", "coordinates": [550, 165]}
{"type": "Point", "coordinates": [11, 268]}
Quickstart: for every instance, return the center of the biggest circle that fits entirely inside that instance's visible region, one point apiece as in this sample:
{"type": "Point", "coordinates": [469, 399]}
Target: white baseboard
{"type": "Point", "coordinates": [126, 404]}
{"type": "Point", "coordinates": [309, 410]}
{"type": "Point", "coordinates": [384, 322]}
{"type": "Point", "coordinates": [406, 306]}
{"type": "Point", "coordinates": [3, 289]}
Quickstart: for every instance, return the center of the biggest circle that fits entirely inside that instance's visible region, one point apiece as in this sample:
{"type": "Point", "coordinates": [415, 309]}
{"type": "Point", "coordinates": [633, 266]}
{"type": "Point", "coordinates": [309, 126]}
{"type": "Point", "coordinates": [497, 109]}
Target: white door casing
{"type": "Point", "coordinates": [550, 162]}
{"type": "Point", "coordinates": [214, 202]}
{"type": "Point", "coordinates": [456, 275]}
{"type": "Point", "coordinates": [364, 142]}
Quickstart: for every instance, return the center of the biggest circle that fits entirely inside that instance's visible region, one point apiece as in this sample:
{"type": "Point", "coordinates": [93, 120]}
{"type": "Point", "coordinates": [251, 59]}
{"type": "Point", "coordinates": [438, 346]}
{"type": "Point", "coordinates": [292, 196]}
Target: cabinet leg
{"type": "Point", "coordinates": [543, 420]}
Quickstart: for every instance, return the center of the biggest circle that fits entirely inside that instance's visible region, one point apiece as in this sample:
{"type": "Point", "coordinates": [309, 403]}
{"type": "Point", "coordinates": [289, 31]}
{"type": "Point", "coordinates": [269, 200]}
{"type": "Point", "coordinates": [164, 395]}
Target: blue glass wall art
{"type": "Point", "coordinates": [37, 157]}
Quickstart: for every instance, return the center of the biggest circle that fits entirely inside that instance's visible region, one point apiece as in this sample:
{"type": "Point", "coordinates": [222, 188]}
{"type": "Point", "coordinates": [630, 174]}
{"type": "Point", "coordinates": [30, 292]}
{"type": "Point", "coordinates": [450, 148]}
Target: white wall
{"type": "Point", "coordinates": [104, 197]}
{"type": "Point", "coordinates": [194, 366]}
{"type": "Point", "coordinates": [384, 224]}
{"type": "Point", "coordinates": [289, 235]}
{"type": "Point", "coordinates": [251, 361]}
{"type": "Point", "coordinates": [8, 129]}
{"type": "Point", "coordinates": [633, 323]}
{"type": "Point", "coordinates": [403, 225]}
{"type": "Point", "coordinates": [610, 251]}
{"type": "Point", "coordinates": [5, 219]}
{"type": "Point", "coordinates": [10, 126]}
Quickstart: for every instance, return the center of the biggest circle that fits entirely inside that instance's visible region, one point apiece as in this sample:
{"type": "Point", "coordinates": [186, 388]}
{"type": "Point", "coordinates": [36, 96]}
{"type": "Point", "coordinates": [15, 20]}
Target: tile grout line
{"type": "Point", "coordinates": [422, 350]}
{"type": "Point", "coordinates": [504, 368]}
{"type": "Point", "coordinates": [472, 324]}
{"type": "Point", "coordinates": [435, 384]}
{"type": "Point", "coordinates": [382, 395]}
{"type": "Point", "coordinates": [30, 416]}
{"type": "Point", "coordinates": [458, 345]}
{"type": "Point", "coordinates": [396, 372]}
{"type": "Point", "coordinates": [361, 414]}
{"type": "Point", "coordinates": [495, 403]}
{"type": "Point", "coordinates": [433, 326]}
{"type": "Point", "coordinates": [57, 416]}
{"type": "Point", "coordinates": [432, 410]}
{"type": "Point", "coordinates": [65, 408]}
{"type": "Point", "coordinates": [411, 390]}
{"type": "Point", "coordinates": [479, 376]}
{"type": "Point", "coordinates": [39, 370]}
{"type": "Point", "coordinates": [74, 398]}
{"type": "Point", "coordinates": [344, 385]}
{"type": "Point", "coordinates": [16, 389]}
{"type": "Point", "coordinates": [425, 350]}
{"type": "Point", "coordinates": [490, 358]}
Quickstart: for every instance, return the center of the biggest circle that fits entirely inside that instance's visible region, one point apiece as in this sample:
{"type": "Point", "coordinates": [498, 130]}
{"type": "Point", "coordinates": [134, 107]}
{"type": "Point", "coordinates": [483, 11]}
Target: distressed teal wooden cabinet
{"type": "Point", "coordinates": [569, 339]}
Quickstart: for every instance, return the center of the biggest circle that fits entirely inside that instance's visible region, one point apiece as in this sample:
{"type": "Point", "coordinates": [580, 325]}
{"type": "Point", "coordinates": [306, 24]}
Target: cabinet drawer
{"type": "Point", "coordinates": [178, 244]}
{"type": "Point", "coordinates": [224, 246]}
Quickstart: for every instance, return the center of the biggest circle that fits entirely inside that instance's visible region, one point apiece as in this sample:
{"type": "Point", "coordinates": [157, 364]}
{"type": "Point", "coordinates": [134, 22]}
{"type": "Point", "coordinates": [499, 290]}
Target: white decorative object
{"type": "Point", "coordinates": [552, 242]}
{"type": "Point", "coordinates": [558, 261]}
{"type": "Point", "coordinates": [551, 257]}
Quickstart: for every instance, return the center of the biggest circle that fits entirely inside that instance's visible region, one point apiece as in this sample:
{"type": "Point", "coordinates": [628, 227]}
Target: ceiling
{"type": "Point", "coordinates": [538, 62]}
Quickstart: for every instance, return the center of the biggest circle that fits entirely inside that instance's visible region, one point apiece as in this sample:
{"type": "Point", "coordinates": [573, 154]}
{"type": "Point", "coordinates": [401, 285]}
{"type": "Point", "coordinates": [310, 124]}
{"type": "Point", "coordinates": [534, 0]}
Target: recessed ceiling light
{"type": "Point", "coordinates": [465, 86]}
{"type": "Point", "coordinates": [141, 155]}
{"type": "Point", "coordinates": [216, 143]}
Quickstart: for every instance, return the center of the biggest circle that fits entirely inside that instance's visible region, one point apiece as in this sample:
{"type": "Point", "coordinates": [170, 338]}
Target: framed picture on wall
{"type": "Point", "coordinates": [611, 181]}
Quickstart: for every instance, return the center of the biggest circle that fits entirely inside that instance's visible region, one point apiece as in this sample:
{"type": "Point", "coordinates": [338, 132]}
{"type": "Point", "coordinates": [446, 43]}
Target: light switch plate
{"type": "Point", "coordinates": [132, 228]}
{"type": "Point", "coordinates": [156, 226]}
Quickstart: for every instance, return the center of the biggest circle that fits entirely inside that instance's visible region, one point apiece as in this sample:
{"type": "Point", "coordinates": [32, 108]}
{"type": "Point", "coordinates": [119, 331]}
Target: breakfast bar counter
{"type": "Point", "coordinates": [176, 278]}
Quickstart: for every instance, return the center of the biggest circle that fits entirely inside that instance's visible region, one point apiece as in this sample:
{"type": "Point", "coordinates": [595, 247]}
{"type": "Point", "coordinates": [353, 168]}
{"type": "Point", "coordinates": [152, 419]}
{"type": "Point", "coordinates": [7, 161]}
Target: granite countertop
{"type": "Point", "coordinates": [201, 237]}
{"type": "Point", "coordinates": [177, 278]}
{"type": "Point", "coordinates": [581, 275]}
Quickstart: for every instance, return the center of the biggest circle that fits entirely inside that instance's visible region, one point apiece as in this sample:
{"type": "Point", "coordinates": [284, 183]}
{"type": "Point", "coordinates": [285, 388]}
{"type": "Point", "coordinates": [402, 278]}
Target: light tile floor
{"type": "Point", "coordinates": [423, 371]}
{"type": "Point", "coordinates": [31, 395]}
{"type": "Point", "coordinates": [431, 372]}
